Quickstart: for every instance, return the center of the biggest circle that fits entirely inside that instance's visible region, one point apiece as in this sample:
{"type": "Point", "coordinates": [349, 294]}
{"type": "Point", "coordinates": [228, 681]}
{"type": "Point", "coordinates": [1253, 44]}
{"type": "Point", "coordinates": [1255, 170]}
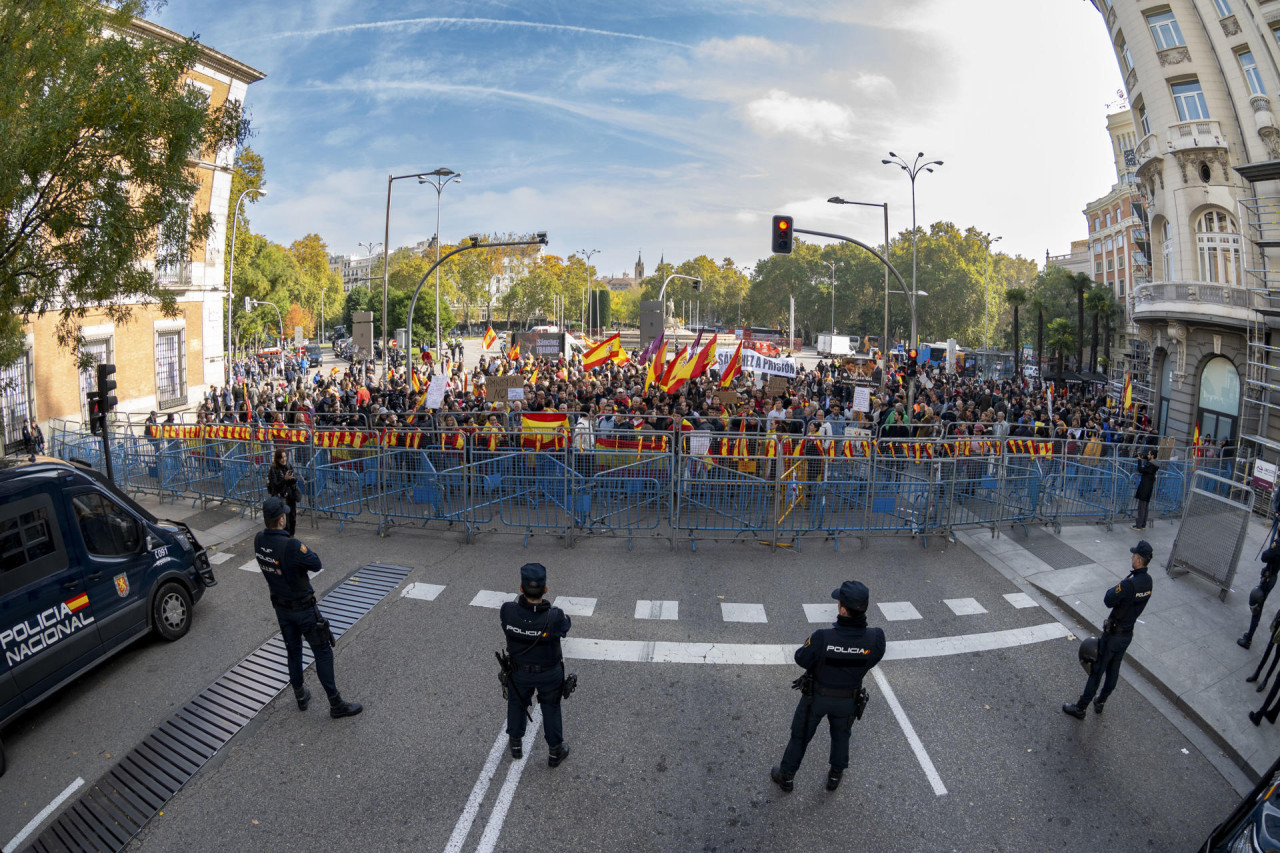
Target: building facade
{"type": "Point", "coordinates": [161, 362]}
{"type": "Point", "coordinates": [1200, 76]}
{"type": "Point", "coordinates": [355, 271]}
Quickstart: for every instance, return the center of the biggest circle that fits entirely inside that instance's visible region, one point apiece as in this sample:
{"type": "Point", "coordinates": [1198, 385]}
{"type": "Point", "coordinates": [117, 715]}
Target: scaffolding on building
{"type": "Point", "coordinates": [1260, 412]}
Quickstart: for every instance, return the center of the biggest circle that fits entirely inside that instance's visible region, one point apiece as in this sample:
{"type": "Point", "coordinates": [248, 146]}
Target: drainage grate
{"type": "Point", "coordinates": [114, 810]}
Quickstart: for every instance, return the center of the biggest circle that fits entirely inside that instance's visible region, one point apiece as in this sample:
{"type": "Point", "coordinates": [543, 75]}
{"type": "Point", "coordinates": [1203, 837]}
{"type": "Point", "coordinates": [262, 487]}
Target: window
{"type": "Point", "coordinates": [1097, 247]}
{"type": "Point", "coordinates": [1164, 29]}
{"type": "Point", "coordinates": [1097, 267]}
{"type": "Point", "coordinates": [171, 369]}
{"type": "Point", "coordinates": [1144, 122]}
{"type": "Point", "coordinates": [1219, 403]}
{"type": "Point", "coordinates": [25, 538]}
{"type": "Point", "coordinates": [1126, 58]}
{"type": "Point", "coordinates": [1109, 245]}
{"type": "Point", "coordinates": [16, 397]}
{"type": "Point", "coordinates": [1120, 242]}
{"type": "Point", "coordinates": [1111, 264]}
{"type": "Point", "coordinates": [107, 530]}
{"type": "Point", "coordinates": [1119, 262]}
{"type": "Point", "coordinates": [1189, 100]}
{"type": "Point", "coordinates": [1251, 73]}
{"type": "Point", "coordinates": [1224, 7]}
{"type": "Point", "coordinates": [1218, 246]}
{"type": "Point", "coordinates": [1097, 224]}
{"type": "Point", "coordinates": [1166, 252]}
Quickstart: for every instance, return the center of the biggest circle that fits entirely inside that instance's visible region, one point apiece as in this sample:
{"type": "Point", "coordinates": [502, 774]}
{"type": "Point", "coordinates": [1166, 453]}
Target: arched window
{"type": "Point", "coordinates": [1218, 245]}
{"type": "Point", "coordinates": [1219, 403]}
{"type": "Point", "coordinates": [1166, 251]}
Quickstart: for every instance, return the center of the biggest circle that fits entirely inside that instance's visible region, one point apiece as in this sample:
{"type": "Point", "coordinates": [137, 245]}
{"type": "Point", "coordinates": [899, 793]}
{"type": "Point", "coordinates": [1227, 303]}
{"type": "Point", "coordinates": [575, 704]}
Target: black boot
{"type": "Point", "coordinates": [339, 707]}
{"type": "Point", "coordinates": [1245, 642]}
{"type": "Point", "coordinates": [1097, 705]}
{"type": "Point", "coordinates": [1255, 717]}
{"type": "Point", "coordinates": [1252, 679]}
{"type": "Point", "coordinates": [783, 780]}
{"type": "Point", "coordinates": [517, 747]}
{"type": "Point", "coordinates": [303, 695]}
{"type": "Point", "coordinates": [833, 778]}
{"type": "Point", "coordinates": [558, 753]}
{"type": "Point", "coordinates": [1076, 711]}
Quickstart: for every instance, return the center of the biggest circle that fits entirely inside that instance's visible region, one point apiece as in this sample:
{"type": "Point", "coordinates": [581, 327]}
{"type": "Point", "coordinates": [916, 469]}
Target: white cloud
{"type": "Point", "coordinates": [781, 113]}
{"type": "Point", "coordinates": [750, 48]}
{"type": "Point", "coordinates": [875, 85]}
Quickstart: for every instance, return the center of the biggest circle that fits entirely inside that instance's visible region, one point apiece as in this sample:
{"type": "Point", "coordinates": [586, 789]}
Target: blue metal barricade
{"type": "Point", "coordinates": [1080, 490]}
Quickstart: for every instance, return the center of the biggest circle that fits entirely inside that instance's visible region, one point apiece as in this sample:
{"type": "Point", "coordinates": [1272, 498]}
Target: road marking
{"type": "Point", "coordinates": [657, 609]}
{"type": "Point", "coordinates": [766, 654]}
{"type": "Point", "coordinates": [422, 591]}
{"type": "Point", "coordinates": [463, 827]}
{"type": "Point", "coordinates": [898, 611]}
{"type": "Point", "coordinates": [1020, 600]}
{"type": "Point", "coordinates": [964, 606]}
{"type": "Point", "coordinates": [219, 558]}
{"type": "Point", "coordinates": [490, 598]}
{"type": "Point", "coordinates": [912, 738]}
{"type": "Point", "coordinates": [820, 612]}
{"type": "Point", "coordinates": [742, 612]}
{"type": "Point", "coordinates": [251, 566]}
{"type": "Point", "coordinates": [34, 823]}
{"type": "Point", "coordinates": [575, 606]}
{"type": "Point", "coordinates": [489, 840]}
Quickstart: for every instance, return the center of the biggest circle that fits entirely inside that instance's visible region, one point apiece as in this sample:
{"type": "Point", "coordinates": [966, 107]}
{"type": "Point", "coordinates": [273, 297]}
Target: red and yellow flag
{"type": "Point", "coordinates": [655, 366]}
{"type": "Point", "coordinates": [599, 353]}
{"type": "Point", "coordinates": [533, 377]}
{"type": "Point", "coordinates": [413, 380]}
{"type": "Point", "coordinates": [543, 430]}
{"type": "Point", "coordinates": [1128, 392]}
{"type": "Point", "coordinates": [669, 374]}
{"type": "Point", "coordinates": [489, 338]}
{"type": "Point", "coordinates": [80, 602]}
{"type": "Point", "coordinates": [733, 369]}
{"type": "Point", "coordinates": [514, 352]}
{"type": "Point", "coordinates": [704, 359]}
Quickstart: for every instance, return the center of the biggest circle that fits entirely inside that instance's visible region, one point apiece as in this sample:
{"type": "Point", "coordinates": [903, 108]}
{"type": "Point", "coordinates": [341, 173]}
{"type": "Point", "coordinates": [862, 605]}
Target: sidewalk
{"type": "Point", "coordinates": [1185, 643]}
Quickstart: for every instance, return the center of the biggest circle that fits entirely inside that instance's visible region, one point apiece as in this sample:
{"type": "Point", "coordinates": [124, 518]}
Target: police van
{"type": "Point", "coordinates": [84, 571]}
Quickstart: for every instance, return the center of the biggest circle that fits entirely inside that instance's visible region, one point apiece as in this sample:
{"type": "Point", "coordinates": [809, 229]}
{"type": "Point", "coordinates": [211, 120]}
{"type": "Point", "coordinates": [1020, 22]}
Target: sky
{"type": "Point", "coordinates": [670, 127]}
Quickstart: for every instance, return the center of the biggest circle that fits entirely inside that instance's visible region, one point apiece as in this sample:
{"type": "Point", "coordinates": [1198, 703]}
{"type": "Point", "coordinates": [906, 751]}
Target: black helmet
{"type": "Point", "coordinates": [1257, 597]}
{"type": "Point", "coordinates": [1089, 653]}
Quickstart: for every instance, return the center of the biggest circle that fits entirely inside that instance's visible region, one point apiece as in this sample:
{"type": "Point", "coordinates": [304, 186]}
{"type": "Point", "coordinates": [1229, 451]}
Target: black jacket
{"type": "Point", "coordinates": [533, 631]}
{"type": "Point", "coordinates": [1128, 599]}
{"type": "Point", "coordinates": [280, 487]}
{"type": "Point", "coordinates": [1147, 482]}
{"type": "Point", "coordinates": [842, 654]}
{"type": "Point", "coordinates": [285, 563]}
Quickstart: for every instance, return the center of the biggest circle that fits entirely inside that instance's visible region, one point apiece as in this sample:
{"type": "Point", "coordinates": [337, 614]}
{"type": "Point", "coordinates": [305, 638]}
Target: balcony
{"type": "Point", "coordinates": [1147, 148]}
{"type": "Point", "coordinates": [1197, 302]}
{"type": "Point", "coordinates": [1195, 134]}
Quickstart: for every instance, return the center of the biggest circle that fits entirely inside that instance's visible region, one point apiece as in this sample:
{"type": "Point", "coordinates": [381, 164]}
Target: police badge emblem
{"type": "Point", "coordinates": [122, 585]}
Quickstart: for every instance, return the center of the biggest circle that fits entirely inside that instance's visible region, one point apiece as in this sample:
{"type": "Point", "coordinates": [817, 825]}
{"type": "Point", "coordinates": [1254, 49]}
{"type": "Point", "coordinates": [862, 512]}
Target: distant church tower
{"type": "Point", "coordinates": [639, 267]}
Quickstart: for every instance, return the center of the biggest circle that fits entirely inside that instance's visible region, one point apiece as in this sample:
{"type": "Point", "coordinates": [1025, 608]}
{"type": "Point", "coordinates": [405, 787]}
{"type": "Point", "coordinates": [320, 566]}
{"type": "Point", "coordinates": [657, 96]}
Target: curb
{"type": "Point", "coordinates": [1177, 701]}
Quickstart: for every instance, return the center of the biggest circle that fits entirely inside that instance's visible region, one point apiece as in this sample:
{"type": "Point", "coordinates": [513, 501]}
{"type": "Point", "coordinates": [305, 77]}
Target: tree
{"type": "Point", "coordinates": [1016, 297]}
{"type": "Point", "coordinates": [1109, 311]}
{"type": "Point", "coordinates": [95, 170]}
{"type": "Point", "coordinates": [600, 310]}
{"type": "Point", "coordinates": [248, 173]}
{"type": "Point", "coordinates": [1037, 305]}
{"type": "Point", "coordinates": [299, 316]}
{"type": "Point", "coordinates": [1082, 283]}
{"type": "Point", "coordinates": [1061, 340]}
{"type": "Point", "coordinates": [1095, 301]}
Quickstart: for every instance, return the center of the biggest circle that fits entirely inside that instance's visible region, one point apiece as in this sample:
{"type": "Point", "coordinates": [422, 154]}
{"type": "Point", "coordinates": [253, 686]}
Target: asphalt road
{"type": "Point", "coordinates": [666, 756]}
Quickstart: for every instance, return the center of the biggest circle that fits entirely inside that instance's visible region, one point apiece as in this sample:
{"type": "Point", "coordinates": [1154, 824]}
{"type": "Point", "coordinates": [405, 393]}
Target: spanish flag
{"type": "Point", "coordinates": [1128, 392]}
{"type": "Point", "coordinates": [704, 359]}
{"type": "Point", "coordinates": [681, 372]}
{"type": "Point", "coordinates": [541, 430]}
{"type": "Point", "coordinates": [599, 353]}
{"type": "Point", "coordinates": [733, 369]}
{"type": "Point", "coordinates": [655, 366]}
{"type": "Point", "coordinates": [413, 380]}
{"type": "Point", "coordinates": [514, 352]}
{"type": "Point", "coordinates": [533, 377]}
{"type": "Point", "coordinates": [333, 371]}
{"type": "Point", "coordinates": [80, 602]}
{"type": "Point", "coordinates": [673, 368]}
{"type": "Point", "coordinates": [489, 338]}
{"type": "Point", "coordinates": [1195, 440]}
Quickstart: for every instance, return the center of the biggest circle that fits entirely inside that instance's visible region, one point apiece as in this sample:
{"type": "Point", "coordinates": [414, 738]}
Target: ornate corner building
{"type": "Point", "coordinates": [1204, 305]}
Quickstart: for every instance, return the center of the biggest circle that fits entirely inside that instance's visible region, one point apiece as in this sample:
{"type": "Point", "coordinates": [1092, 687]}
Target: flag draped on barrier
{"type": "Point", "coordinates": [543, 430]}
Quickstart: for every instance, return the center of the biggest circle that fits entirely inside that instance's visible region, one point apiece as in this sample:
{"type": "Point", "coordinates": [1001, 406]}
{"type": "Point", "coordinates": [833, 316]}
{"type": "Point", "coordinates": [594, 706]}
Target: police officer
{"type": "Point", "coordinates": [1127, 600]}
{"type": "Point", "coordinates": [838, 658]}
{"type": "Point", "coordinates": [285, 563]}
{"type": "Point", "coordinates": [1258, 597]}
{"type": "Point", "coordinates": [533, 629]}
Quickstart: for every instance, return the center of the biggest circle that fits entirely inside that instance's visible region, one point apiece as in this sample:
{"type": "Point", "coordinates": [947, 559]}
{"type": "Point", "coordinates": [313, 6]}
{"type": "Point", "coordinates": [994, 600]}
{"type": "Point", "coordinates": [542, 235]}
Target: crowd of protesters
{"type": "Point", "coordinates": [1081, 418]}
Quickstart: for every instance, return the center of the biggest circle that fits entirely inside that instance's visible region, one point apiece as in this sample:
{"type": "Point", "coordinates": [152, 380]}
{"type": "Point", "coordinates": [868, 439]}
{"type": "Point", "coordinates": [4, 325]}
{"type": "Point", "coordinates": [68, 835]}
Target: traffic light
{"type": "Point", "coordinates": [913, 355]}
{"type": "Point", "coordinates": [782, 235]}
{"type": "Point", "coordinates": [106, 385]}
{"type": "Point", "coordinates": [95, 414]}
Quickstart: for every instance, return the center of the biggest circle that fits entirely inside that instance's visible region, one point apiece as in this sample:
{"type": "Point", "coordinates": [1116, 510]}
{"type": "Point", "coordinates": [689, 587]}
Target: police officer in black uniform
{"type": "Point", "coordinates": [533, 629]}
{"type": "Point", "coordinates": [838, 658]}
{"type": "Point", "coordinates": [1127, 600]}
{"type": "Point", "coordinates": [285, 563]}
{"type": "Point", "coordinates": [1258, 597]}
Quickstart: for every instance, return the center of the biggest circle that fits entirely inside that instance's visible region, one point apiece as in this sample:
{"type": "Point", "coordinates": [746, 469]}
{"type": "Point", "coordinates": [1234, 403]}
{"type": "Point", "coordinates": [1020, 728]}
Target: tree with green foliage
{"type": "Point", "coordinates": [1016, 297]}
{"type": "Point", "coordinates": [1096, 301]}
{"type": "Point", "coordinates": [95, 170]}
{"type": "Point", "coordinates": [1082, 284]}
{"type": "Point", "coordinates": [249, 173]}
{"type": "Point", "coordinates": [1061, 340]}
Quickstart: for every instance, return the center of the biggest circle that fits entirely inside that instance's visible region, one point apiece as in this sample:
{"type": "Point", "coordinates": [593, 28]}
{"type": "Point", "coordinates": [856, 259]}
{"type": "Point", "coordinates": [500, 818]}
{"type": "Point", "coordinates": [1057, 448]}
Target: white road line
{"type": "Point", "coordinates": [575, 606]}
{"type": "Point", "coordinates": [491, 598]}
{"type": "Point", "coordinates": [646, 609]}
{"type": "Point", "coordinates": [964, 606]}
{"type": "Point", "coordinates": [217, 559]}
{"type": "Point", "coordinates": [820, 612]}
{"type": "Point", "coordinates": [1020, 600]}
{"type": "Point", "coordinates": [489, 840]}
{"type": "Point", "coordinates": [16, 841]}
{"type": "Point", "coordinates": [251, 566]}
{"type": "Point", "coordinates": [763, 654]}
{"type": "Point", "coordinates": [898, 611]}
{"type": "Point", "coordinates": [912, 738]}
{"type": "Point", "coordinates": [742, 612]}
{"type": "Point", "coordinates": [463, 827]}
{"type": "Point", "coordinates": [422, 591]}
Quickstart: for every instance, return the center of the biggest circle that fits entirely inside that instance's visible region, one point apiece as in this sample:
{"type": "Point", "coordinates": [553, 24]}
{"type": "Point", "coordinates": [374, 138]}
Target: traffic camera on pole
{"type": "Point", "coordinates": [783, 237]}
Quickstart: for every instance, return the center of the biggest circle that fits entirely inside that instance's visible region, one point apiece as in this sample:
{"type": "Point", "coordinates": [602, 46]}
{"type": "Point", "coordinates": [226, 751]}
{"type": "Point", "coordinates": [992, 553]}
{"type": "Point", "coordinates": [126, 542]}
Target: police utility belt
{"type": "Point", "coordinates": [1109, 626]}
{"type": "Point", "coordinates": [533, 669]}
{"type": "Point", "coordinates": [293, 603]}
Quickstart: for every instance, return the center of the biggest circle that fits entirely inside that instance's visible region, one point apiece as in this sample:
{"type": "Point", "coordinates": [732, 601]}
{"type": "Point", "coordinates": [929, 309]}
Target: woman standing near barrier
{"type": "Point", "coordinates": [282, 483]}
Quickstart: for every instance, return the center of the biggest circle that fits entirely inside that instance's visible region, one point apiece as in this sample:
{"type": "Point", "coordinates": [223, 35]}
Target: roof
{"type": "Point", "coordinates": [213, 58]}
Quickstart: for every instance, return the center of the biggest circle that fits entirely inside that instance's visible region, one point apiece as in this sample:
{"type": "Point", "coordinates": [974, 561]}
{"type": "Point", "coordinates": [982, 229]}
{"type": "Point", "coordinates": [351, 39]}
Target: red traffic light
{"type": "Point", "coordinates": [783, 225]}
{"type": "Point", "coordinates": [782, 235]}
{"type": "Point", "coordinates": [913, 355]}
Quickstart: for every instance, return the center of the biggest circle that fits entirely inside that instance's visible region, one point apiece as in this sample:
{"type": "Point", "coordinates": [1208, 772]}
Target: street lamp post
{"type": "Point", "coordinates": [231, 272]}
{"type": "Point", "coordinates": [386, 246]}
{"type": "Point", "coordinates": [697, 282]}
{"type": "Point", "coordinates": [912, 169]}
{"type": "Point", "coordinates": [443, 177]}
{"type": "Point", "coordinates": [986, 313]}
{"type": "Point", "coordinates": [884, 341]}
{"type": "Point", "coordinates": [833, 265]}
{"type": "Point", "coordinates": [587, 289]}
{"type": "Point", "coordinates": [250, 301]}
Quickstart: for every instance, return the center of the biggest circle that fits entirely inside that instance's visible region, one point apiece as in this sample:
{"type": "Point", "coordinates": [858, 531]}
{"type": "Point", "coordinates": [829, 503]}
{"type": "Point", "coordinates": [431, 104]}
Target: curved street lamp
{"type": "Point", "coordinates": [443, 177]}
{"type": "Point", "coordinates": [913, 169]}
{"type": "Point", "coordinates": [231, 272]}
{"type": "Point", "coordinates": [587, 253]}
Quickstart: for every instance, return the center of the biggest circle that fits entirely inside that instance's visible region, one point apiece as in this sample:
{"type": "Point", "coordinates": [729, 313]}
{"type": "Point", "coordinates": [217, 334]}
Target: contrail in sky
{"type": "Point", "coordinates": [532, 25]}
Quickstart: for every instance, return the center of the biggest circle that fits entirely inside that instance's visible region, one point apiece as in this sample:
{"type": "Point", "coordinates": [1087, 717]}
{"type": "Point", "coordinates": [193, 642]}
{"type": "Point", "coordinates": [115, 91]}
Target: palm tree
{"type": "Point", "coordinates": [1109, 310]}
{"type": "Point", "coordinates": [1096, 300]}
{"type": "Point", "coordinates": [1037, 305]}
{"type": "Point", "coordinates": [1061, 340]}
{"type": "Point", "coordinates": [1082, 283]}
{"type": "Point", "coordinates": [1016, 297]}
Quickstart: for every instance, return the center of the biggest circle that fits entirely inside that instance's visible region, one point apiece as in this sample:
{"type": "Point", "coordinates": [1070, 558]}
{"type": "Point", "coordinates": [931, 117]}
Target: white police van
{"type": "Point", "coordinates": [84, 571]}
